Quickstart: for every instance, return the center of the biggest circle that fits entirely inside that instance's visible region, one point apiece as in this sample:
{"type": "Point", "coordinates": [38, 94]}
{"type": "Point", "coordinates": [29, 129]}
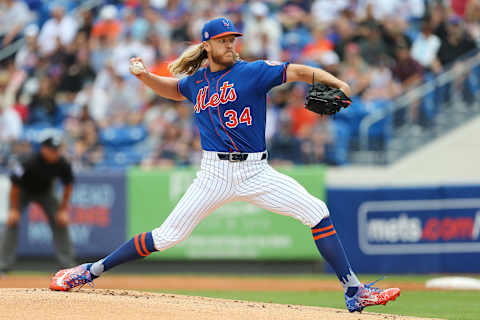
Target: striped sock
{"type": "Point", "coordinates": [138, 247]}
{"type": "Point", "coordinates": [331, 249]}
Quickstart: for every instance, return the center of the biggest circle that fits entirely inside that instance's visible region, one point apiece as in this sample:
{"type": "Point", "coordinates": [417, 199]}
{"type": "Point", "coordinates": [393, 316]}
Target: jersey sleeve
{"type": "Point", "coordinates": [184, 86]}
{"type": "Point", "coordinates": [271, 74]}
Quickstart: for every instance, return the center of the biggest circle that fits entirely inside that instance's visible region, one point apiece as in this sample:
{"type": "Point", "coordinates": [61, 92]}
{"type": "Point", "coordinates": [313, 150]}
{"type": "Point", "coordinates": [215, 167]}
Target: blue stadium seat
{"type": "Point", "coordinates": [337, 152]}
{"type": "Point", "coordinates": [428, 109]}
{"type": "Point", "coordinates": [381, 132]}
{"type": "Point", "coordinates": [353, 115]}
{"type": "Point", "coordinates": [472, 85]}
{"type": "Point", "coordinates": [122, 136]}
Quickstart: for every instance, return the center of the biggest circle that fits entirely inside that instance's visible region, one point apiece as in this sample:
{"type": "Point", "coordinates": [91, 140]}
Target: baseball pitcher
{"type": "Point", "coordinates": [229, 107]}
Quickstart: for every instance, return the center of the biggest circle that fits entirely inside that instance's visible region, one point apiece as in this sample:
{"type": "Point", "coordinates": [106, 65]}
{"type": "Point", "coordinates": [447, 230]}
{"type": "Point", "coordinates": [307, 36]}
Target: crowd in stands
{"type": "Point", "coordinates": [71, 73]}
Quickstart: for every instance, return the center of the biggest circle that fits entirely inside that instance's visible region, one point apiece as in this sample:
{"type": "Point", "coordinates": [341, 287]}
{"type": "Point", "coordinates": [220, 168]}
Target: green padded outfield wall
{"type": "Point", "coordinates": [235, 231]}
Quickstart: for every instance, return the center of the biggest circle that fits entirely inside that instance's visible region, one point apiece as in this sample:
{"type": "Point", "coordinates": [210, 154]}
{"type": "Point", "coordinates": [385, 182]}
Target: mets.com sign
{"type": "Point", "coordinates": [416, 227]}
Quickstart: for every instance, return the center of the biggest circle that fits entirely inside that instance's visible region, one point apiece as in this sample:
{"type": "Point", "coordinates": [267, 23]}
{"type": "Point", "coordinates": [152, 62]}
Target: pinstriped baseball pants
{"type": "Point", "coordinates": [220, 181]}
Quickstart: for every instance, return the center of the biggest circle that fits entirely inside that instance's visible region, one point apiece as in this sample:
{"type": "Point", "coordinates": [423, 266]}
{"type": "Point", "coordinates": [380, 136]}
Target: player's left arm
{"type": "Point", "coordinates": [299, 72]}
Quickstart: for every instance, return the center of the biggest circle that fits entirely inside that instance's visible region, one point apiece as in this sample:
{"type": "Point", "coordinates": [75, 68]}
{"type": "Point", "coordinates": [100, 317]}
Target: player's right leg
{"type": "Point", "coordinates": [207, 193]}
{"type": "Point", "coordinates": [281, 194]}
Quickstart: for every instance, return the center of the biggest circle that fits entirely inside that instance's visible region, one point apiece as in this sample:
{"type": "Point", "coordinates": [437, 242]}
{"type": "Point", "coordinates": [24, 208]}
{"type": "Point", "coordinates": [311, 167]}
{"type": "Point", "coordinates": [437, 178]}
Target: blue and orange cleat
{"type": "Point", "coordinates": [370, 296]}
{"type": "Point", "coordinates": [67, 279]}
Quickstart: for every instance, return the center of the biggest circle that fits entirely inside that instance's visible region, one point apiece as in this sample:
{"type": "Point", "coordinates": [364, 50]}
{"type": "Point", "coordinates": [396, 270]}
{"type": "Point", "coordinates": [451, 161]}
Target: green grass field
{"type": "Point", "coordinates": [453, 305]}
{"type": "Point", "coordinates": [460, 305]}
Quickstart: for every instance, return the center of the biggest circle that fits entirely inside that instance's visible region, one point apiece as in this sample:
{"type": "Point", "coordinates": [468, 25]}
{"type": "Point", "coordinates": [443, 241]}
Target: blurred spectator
{"type": "Point", "coordinates": [406, 70]}
{"type": "Point", "coordinates": [129, 47]}
{"type": "Point", "coordinates": [157, 24]}
{"type": "Point", "coordinates": [100, 94]}
{"type": "Point", "coordinates": [327, 11]}
{"type": "Point", "coordinates": [314, 148]}
{"type": "Point", "coordinates": [122, 100]}
{"type": "Point", "coordinates": [409, 73]}
{"type": "Point", "coordinates": [276, 104]}
{"type": "Point", "coordinates": [394, 33]}
{"type": "Point", "coordinates": [438, 19]}
{"type": "Point", "coordinates": [330, 62]}
{"type": "Point", "coordinates": [472, 20]}
{"type": "Point", "coordinates": [10, 129]}
{"type": "Point", "coordinates": [302, 120]}
{"type": "Point", "coordinates": [27, 57]}
{"type": "Point", "coordinates": [86, 21]}
{"type": "Point", "coordinates": [457, 44]}
{"type": "Point", "coordinates": [43, 108]}
{"type": "Point", "coordinates": [78, 71]}
{"type": "Point", "coordinates": [108, 25]}
{"type": "Point", "coordinates": [10, 123]}
{"type": "Point", "coordinates": [296, 33]}
{"type": "Point", "coordinates": [345, 32]}
{"type": "Point", "coordinates": [84, 87]}
{"type": "Point", "coordinates": [14, 15]}
{"type": "Point", "coordinates": [58, 31]}
{"type": "Point", "coordinates": [176, 14]}
{"type": "Point", "coordinates": [319, 45]}
{"type": "Point", "coordinates": [425, 48]}
{"type": "Point", "coordinates": [87, 151]}
{"type": "Point", "coordinates": [385, 9]}
{"type": "Point", "coordinates": [284, 147]}
{"type": "Point", "coordinates": [7, 95]}
{"type": "Point", "coordinates": [262, 33]}
{"type": "Point", "coordinates": [135, 26]}
{"type": "Point", "coordinates": [355, 70]}
{"type": "Point", "coordinates": [459, 7]}
{"type": "Point", "coordinates": [101, 50]}
{"type": "Point", "coordinates": [381, 85]}
{"type": "Point", "coordinates": [373, 47]}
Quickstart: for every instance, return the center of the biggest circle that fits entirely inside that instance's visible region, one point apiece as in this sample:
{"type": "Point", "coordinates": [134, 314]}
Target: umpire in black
{"type": "Point", "coordinates": [33, 181]}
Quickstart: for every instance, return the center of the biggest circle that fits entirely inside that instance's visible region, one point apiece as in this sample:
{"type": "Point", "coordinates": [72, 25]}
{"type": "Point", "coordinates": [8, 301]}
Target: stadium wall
{"type": "Point", "coordinates": [385, 229]}
{"type": "Point", "coordinates": [409, 229]}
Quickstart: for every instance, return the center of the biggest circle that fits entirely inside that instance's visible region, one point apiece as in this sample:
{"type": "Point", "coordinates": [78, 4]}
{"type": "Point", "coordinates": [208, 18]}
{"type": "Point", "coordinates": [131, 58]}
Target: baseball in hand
{"type": "Point", "coordinates": [137, 67]}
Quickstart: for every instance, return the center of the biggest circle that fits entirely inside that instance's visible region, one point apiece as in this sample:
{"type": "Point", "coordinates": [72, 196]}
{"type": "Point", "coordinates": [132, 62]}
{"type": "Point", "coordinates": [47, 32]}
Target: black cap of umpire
{"type": "Point", "coordinates": [53, 142]}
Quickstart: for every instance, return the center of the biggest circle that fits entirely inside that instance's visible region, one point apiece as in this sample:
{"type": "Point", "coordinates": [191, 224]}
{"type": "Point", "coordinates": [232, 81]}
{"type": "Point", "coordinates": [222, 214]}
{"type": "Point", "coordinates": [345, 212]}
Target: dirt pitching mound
{"type": "Point", "coordinates": [42, 304]}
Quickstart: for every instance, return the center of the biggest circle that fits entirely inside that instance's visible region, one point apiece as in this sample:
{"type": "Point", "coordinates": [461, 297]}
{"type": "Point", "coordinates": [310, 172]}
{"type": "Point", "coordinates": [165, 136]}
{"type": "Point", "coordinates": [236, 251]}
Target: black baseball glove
{"type": "Point", "coordinates": [326, 100]}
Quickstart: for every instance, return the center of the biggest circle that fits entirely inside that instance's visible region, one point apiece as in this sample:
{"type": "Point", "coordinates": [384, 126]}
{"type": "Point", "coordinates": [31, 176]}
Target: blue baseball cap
{"type": "Point", "coordinates": [219, 27]}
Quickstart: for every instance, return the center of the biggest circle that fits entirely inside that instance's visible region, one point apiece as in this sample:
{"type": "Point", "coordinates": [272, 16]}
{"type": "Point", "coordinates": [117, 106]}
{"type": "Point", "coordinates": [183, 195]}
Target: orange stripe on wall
{"type": "Point", "coordinates": [320, 236]}
{"type": "Point", "coordinates": [322, 229]}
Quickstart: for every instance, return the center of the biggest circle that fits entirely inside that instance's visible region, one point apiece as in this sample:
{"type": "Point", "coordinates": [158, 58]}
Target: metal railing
{"type": "Point", "coordinates": [451, 83]}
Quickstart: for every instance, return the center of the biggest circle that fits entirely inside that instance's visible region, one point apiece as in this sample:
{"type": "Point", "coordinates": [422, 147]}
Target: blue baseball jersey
{"type": "Point", "coordinates": [230, 105]}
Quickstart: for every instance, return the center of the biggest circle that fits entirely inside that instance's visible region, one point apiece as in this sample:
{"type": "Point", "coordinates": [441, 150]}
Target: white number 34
{"type": "Point", "coordinates": [234, 120]}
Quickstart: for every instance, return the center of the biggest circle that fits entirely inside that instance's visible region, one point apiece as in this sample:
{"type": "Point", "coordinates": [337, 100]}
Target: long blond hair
{"type": "Point", "coordinates": [190, 60]}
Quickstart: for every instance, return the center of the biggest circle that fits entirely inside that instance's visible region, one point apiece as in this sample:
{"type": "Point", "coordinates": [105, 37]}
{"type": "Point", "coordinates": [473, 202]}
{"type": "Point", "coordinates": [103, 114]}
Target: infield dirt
{"type": "Point", "coordinates": [43, 304]}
